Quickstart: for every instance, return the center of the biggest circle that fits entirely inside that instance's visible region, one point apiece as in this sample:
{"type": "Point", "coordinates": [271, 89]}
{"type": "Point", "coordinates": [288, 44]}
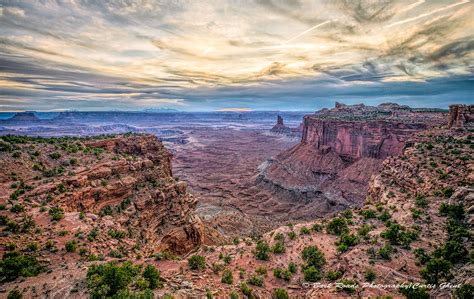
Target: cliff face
{"type": "Point", "coordinates": [353, 140]}
{"type": "Point", "coordinates": [339, 151]}
{"type": "Point", "coordinates": [460, 116]}
{"type": "Point", "coordinates": [127, 180]}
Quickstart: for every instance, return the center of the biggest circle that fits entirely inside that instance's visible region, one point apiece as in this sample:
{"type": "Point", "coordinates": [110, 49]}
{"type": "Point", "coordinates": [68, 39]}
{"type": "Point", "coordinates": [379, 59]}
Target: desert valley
{"type": "Point", "coordinates": [326, 204]}
{"type": "Point", "coordinates": [158, 149]}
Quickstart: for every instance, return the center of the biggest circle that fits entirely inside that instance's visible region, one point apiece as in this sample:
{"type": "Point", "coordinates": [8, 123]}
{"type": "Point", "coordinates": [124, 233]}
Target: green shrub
{"type": "Point", "coordinates": [261, 270]}
{"type": "Point", "coordinates": [447, 192]}
{"type": "Point", "coordinates": [346, 240]}
{"type": "Point", "coordinates": [369, 275]}
{"type": "Point", "coordinates": [453, 211]}
{"type": "Point", "coordinates": [279, 237]}
{"type": "Point", "coordinates": [255, 280]}
{"type": "Point", "coordinates": [466, 291]}
{"type": "Point", "coordinates": [304, 230]}
{"type": "Point", "coordinates": [312, 256]}
{"type": "Point", "coordinates": [337, 226]}
{"type": "Point", "coordinates": [111, 279]}
{"type": "Point", "coordinates": [56, 213]}
{"type": "Point", "coordinates": [311, 274]}
{"type": "Point", "coordinates": [152, 275]}
{"type": "Point", "coordinates": [197, 262]}
{"type": "Point", "coordinates": [15, 294]}
{"type": "Point", "coordinates": [227, 259]}
{"type": "Point", "coordinates": [369, 214]}
{"type": "Point", "coordinates": [292, 267]}
{"type": "Point", "coordinates": [17, 208]}
{"type": "Point", "coordinates": [386, 251]}
{"type": "Point", "coordinates": [454, 251]}
{"type": "Point", "coordinates": [15, 264]}
{"type": "Point", "coordinates": [363, 230]}
{"type": "Point", "coordinates": [55, 156]}
{"type": "Point", "coordinates": [262, 250]}
{"type": "Point", "coordinates": [278, 247]}
{"type": "Point", "coordinates": [421, 256]}
{"type": "Point", "coordinates": [333, 275]}
{"type": "Point", "coordinates": [292, 235]}
{"type": "Point", "coordinates": [246, 290]}
{"type": "Point", "coordinates": [117, 234]}
{"type": "Point", "coordinates": [227, 277]}
{"type": "Point", "coordinates": [397, 235]}
{"type": "Point", "coordinates": [106, 211]}
{"type": "Point", "coordinates": [435, 269]}
{"type": "Point", "coordinates": [71, 246]}
{"type": "Point", "coordinates": [280, 293]}
{"type": "Point", "coordinates": [317, 227]}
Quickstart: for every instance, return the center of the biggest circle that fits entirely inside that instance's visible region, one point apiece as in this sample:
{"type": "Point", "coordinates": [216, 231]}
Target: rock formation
{"type": "Point", "coordinates": [280, 128]}
{"type": "Point", "coordinates": [130, 184]}
{"type": "Point", "coordinates": [340, 149]}
{"type": "Point", "coordinates": [460, 116]}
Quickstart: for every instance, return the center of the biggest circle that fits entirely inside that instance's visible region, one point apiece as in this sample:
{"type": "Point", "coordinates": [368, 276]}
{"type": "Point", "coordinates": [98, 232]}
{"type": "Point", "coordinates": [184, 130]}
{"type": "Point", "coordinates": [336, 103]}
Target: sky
{"type": "Point", "coordinates": [234, 54]}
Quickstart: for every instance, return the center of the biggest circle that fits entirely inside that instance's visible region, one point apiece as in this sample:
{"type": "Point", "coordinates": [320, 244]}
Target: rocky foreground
{"type": "Point", "coordinates": [104, 217]}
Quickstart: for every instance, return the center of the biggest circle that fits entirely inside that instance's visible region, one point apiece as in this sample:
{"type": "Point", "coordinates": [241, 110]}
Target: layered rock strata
{"type": "Point", "coordinates": [339, 151]}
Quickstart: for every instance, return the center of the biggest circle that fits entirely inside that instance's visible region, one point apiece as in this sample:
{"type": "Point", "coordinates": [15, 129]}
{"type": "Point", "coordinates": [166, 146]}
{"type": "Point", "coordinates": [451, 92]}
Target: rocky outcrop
{"type": "Point", "coordinates": [132, 182]}
{"type": "Point", "coordinates": [460, 116]}
{"type": "Point", "coordinates": [279, 127]}
{"type": "Point", "coordinates": [339, 151]}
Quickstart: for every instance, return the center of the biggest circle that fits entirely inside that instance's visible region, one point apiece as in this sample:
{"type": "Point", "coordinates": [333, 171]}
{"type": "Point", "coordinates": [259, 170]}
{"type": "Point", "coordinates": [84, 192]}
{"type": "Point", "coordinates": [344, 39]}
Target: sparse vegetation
{"type": "Point", "coordinates": [197, 262]}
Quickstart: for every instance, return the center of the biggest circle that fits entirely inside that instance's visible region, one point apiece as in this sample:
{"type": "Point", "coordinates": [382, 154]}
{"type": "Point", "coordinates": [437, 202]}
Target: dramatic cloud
{"type": "Point", "coordinates": [233, 54]}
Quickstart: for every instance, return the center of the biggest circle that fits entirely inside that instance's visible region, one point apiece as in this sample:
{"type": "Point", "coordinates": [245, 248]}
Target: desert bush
{"type": "Point", "coordinates": [436, 269]}
{"type": "Point", "coordinates": [71, 246]}
{"type": "Point", "coordinates": [278, 247]}
{"type": "Point", "coordinates": [255, 280]}
{"type": "Point", "coordinates": [292, 235]}
{"type": "Point", "coordinates": [369, 214]}
{"type": "Point", "coordinates": [111, 279]}
{"type": "Point", "coordinates": [304, 230]}
{"type": "Point", "coordinates": [333, 275]}
{"type": "Point", "coordinates": [56, 213]}
{"type": "Point", "coordinates": [311, 274]}
{"type": "Point", "coordinates": [369, 275]}
{"type": "Point", "coordinates": [280, 293]}
{"type": "Point", "coordinates": [15, 264]}
{"type": "Point", "coordinates": [337, 226]}
{"type": "Point", "coordinates": [246, 290]}
{"type": "Point", "coordinates": [227, 277]}
{"type": "Point", "coordinates": [197, 262]}
{"type": "Point", "coordinates": [453, 211]}
{"type": "Point", "coordinates": [262, 250]}
{"type": "Point", "coordinates": [466, 291]}
{"type": "Point", "coordinates": [386, 252]}
{"type": "Point", "coordinates": [152, 275]}
{"type": "Point", "coordinates": [312, 256]}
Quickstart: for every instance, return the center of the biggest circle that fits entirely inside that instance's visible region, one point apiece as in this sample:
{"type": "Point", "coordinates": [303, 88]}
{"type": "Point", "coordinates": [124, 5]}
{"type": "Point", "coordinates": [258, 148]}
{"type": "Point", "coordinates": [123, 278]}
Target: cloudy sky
{"type": "Point", "coordinates": [221, 54]}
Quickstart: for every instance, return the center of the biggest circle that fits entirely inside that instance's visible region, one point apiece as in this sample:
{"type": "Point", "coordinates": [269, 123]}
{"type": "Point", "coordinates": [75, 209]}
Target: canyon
{"type": "Point", "coordinates": [374, 189]}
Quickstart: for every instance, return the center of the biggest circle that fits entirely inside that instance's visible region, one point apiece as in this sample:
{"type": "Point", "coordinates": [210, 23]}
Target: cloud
{"type": "Point", "coordinates": [216, 54]}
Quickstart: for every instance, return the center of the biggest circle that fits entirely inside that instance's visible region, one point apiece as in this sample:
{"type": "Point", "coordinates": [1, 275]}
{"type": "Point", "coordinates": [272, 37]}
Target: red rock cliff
{"type": "Point", "coordinates": [339, 151]}
{"type": "Point", "coordinates": [136, 169]}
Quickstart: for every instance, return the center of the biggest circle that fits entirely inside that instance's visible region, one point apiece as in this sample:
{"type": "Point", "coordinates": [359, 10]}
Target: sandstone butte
{"type": "Point", "coordinates": [340, 149]}
{"type": "Point", "coordinates": [409, 183]}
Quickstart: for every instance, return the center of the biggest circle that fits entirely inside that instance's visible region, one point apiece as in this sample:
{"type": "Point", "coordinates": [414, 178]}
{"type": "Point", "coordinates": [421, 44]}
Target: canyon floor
{"type": "Point", "coordinates": [220, 166]}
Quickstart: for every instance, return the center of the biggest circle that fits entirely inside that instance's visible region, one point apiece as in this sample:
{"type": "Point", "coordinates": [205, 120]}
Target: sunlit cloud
{"type": "Point", "coordinates": [210, 55]}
